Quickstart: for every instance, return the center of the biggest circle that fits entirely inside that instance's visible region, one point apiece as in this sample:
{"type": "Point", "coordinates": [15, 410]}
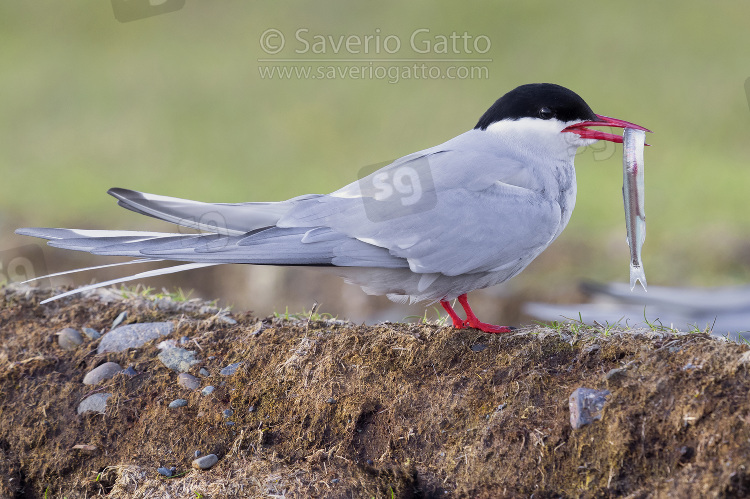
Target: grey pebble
{"type": "Point", "coordinates": [230, 369]}
{"type": "Point", "coordinates": [177, 403]}
{"type": "Point", "coordinates": [207, 390]}
{"type": "Point", "coordinates": [101, 373]}
{"type": "Point", "coordinates": [229, 423]}
{"type": "Point", "coordinates": [251, 408]}
{"type": "Point", "coordinates": [188, 381]}
{"type": "Point", "coordinates": [164, 471]}
{"type": "Point", "coordinates": [178, 359]}
{"type": "Point", "coordinates": [197, 453]}
{"type": "Point", "coordinates": [94, 403]}
{"type": "Point", "coordinates": [585, 406]}
{"type": "Point", "coordinates": [92, 334]}
{"type": "Point", "coordinates": [331, 400]}
{"type": "Point", "coordinates": [205, 462]}
{"type": "Point", "coordinates": [133, 336]}
{"type": "Point", "coordinates": [130, 371]}
{"type": "Point", "coordinates": [335, 480]}
{"type": "Point", "coordinates": [203, 372]}
{"type": "Point", "coordinates": [227, 413]}
{"type": "Point", "coordinates": [119, 319]}
{"type": "Point", "coordinates": [478, 347]}
{"type": "Point", "coordinates": [69, 338]}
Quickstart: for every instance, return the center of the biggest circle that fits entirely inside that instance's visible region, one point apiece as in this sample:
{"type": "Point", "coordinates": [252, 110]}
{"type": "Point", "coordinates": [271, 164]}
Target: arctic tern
{"type": "Point", "coordinates": [434, 225]}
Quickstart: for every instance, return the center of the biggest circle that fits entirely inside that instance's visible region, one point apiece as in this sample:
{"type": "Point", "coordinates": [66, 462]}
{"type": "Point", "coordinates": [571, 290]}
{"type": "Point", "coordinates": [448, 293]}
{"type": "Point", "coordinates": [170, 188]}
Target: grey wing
{"type": "Point", "coordinates": [444, 211]}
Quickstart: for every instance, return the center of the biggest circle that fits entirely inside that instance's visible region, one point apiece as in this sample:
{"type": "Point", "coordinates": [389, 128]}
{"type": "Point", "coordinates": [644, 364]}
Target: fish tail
{"type": "Point", "coordinates": [637, 274]}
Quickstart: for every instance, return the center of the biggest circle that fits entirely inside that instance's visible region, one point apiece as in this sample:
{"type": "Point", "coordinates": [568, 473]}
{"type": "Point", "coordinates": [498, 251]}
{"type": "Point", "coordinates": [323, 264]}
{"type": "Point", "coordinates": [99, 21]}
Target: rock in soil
{"type": "Point", "coordinates": [91, 334]}
{"type": "Point", "coordinates": [230, 369]}
{"type": "Point", "coordinates": [205, 462]}
{"type": "Point", "coordinates": [94, 403]}
{"type": "Point", "coordinates": [177, 403]}
{"type": "Point", "coordinates": [164, 471]}
{"type": "Point", "coordinates": [69, 339]}
{"type": "Point", "coordinates": [586, 405]}
{"type": "Point", "coordinates": [133, 336]}
{"type": "Point", "coordinates": [178, 359]}
{"type": "Point", "coordinates": [101, 373]}
{"type": "Point", "coordinates": [188, 381]}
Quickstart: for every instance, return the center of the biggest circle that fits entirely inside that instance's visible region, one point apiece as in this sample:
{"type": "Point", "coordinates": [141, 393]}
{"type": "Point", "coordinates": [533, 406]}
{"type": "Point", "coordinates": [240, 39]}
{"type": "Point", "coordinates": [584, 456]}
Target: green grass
{"type": "Point", "coordinates": [177, 294]}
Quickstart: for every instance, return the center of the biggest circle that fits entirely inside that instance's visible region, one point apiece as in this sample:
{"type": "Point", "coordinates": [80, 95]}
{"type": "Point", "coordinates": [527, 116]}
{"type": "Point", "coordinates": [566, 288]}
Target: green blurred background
{"type": "Point", "coordinates": [175, 104]}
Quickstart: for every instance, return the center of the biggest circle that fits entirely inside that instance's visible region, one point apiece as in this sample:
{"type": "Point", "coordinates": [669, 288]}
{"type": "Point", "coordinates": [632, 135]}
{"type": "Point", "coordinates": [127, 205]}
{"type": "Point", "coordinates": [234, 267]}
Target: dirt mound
{"type": "Point", "coordinates": [331, 409]}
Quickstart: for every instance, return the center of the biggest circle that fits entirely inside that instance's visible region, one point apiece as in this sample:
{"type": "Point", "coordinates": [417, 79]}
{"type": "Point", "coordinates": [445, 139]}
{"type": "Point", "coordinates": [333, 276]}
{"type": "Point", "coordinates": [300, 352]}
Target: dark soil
{"type": "Point", "coordinates": [396, 410]}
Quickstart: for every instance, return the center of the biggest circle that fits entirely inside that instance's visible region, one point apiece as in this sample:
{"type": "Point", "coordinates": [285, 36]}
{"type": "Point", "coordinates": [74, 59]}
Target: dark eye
{"type": "Point", "coordinates": [546, 113]}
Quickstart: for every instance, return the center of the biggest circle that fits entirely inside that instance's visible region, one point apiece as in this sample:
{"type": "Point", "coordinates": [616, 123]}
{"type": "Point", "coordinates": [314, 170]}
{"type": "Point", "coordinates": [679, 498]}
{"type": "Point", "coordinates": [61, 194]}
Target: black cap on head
{"type": "Point", "coordinates": [538, 100]}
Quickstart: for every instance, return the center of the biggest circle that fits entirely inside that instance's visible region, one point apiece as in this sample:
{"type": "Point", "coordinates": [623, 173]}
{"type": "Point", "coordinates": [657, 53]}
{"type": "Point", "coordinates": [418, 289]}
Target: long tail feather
{"type": "Point", "coordinates": [141, 275]}
{"type": "Point", "coordinates": [74, 271]}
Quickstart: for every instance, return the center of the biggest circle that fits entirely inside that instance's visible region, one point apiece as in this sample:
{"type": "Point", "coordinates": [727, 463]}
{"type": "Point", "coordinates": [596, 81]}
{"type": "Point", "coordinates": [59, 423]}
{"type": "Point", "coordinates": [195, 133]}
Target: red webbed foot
{"type": "Point", "coordinates": [471, 319]}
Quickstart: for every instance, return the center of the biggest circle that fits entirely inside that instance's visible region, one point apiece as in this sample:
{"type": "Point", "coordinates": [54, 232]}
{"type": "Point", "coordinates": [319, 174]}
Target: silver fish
{"type": "Point", "coordinates": [633, 188]}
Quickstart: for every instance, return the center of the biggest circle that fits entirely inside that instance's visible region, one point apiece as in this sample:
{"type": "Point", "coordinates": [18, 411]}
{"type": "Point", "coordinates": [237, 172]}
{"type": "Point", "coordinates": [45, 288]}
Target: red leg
{"type": "Point", "coordinates": [458, 323]}
{"type": "Point", "coordinates": [472, 321]}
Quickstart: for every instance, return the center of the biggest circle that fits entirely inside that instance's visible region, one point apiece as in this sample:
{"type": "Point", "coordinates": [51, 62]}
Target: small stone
{"type": "Point", "coordinates": [251, 408]}
{"type": "Point", "coordinates": [335, 480]}
{"type": "Point", "coordinates": [133, 336]}
{"type": "Point", "coordinates": [585, 406]}
{"type": "Point", "coordinates": [207, 390]}
{"type": "Point", "coordinates": [478, 347]}
{"type": "Point", "coordinates": [178, 359]}
{"type": "Point", "coordinates": [177, 403]}
{"type": "Point", "coordinates": [119, 319]}
{"type": "Point", "coordinates": [94, 403]}
{"type": "Point", "coordinates": [203, 372]}
{"type": "Point", "coordinates": [184, 340]}
{"type": "Point", "coordinates": [91, 334]}
{"type": "Point", "coordinates": [230, 369]}
{"type": "Point", "coordinates": [69, 339]}
{"type": "Point", "coordinates": [164, 471]}
{"type": "Point", "coordinates": [227, 320]}
{"type": "Point", "coordinates": [501, 407]}
{"type": "Point", "coordinates": [229, 423]}
{"type": "Point", "coordinates": [197, 453]}
{"type": "Point", "coordinates": [188, 381]}
{"type": "Point", "coordinates": [101, 373]}
{"type": "Point", "coordinates": [130, 371]}
{"type": "Point", "coordinates": [227, 413]}
{"type": "Point", "coordinates": [205, 462]}
{"type": "Point", "coordinates": [370, 462]}
{"type": "Point", "coordinates": [331, 400]}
